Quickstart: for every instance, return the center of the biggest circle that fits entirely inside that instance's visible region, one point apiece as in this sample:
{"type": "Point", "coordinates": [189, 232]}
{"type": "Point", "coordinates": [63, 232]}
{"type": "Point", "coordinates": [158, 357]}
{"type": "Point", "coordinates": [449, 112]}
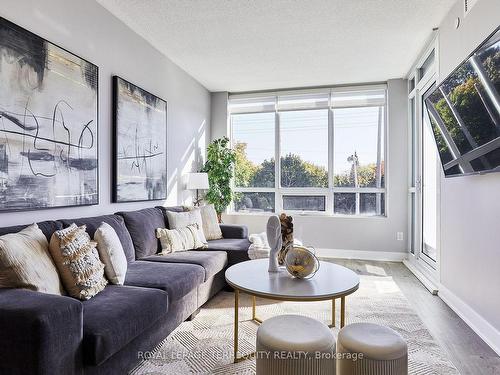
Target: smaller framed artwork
{"type": "Point", "coordinates": [139, 144]}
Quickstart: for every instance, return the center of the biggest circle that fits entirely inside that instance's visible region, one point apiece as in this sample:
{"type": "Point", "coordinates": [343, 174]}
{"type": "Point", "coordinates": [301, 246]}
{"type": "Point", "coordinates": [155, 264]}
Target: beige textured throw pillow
{"type": "Point", "coordinates": [77, 260]}
{"type": "Point", "coordinates": [25, 262]}
{"type": "Point", "coordinates": [111, 253]}
{"type": "Point", "coordinates": [181, 239]}
{"type": "Point", "coordinates": [211, 227]}
{"type": "Point", "coordinates": [177, 220]}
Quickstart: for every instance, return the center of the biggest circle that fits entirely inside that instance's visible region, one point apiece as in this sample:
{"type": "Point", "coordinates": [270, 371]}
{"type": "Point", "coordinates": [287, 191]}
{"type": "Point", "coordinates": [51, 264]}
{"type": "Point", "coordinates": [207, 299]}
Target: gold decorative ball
{"type": "Point", "coordinates": [301, 262]}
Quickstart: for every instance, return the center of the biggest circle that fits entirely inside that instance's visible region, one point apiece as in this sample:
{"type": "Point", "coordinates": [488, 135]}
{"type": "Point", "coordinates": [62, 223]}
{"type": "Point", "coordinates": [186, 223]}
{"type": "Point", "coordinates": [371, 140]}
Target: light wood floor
{"type": "Point", "coordinates": [468, 352]}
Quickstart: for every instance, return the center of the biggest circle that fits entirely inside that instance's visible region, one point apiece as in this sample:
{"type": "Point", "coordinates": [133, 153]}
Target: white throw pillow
{"type": "Point", "coordinates": [180, 239]}
{"type": "Point", "coordinates": [111, 253]}
{"type": "Point", "coordinates": [25, 262]}
{"type": "Point", "coordinates": [177, 220]}
{"type": "Point", "coordinates": [211, 227]}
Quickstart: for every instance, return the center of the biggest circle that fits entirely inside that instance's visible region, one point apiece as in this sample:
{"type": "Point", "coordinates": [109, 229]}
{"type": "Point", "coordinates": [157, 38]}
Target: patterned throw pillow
{"type": "Point", "coordinates": [180, 239]}
{"type": "Point", "coordinates": [25, 262]}
{"type": "Point", "coordinates": [78, 262]}
{"type": "Point", "coordinates": [177, 220]}
{"type": "Point", "coordinates": [211, 227]}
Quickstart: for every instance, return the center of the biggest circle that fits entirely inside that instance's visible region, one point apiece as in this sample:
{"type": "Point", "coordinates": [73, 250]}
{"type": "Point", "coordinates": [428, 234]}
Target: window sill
{"type": "Point", "coordinates": [308, 214]}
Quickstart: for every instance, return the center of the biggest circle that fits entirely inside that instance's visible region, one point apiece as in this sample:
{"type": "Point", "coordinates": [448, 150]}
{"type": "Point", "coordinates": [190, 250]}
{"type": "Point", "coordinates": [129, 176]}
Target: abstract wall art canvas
{"type": "Point", "coordinates": [140, 146]}
{"type": "Point", "coordinates": [48, 124]}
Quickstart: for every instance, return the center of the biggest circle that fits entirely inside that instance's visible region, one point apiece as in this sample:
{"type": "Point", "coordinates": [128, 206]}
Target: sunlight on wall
{"type": "Point", "coordinates": [202, 145]}
{"type": "Point", "coordinates": [172, 190]}
{"type": "Point", "coordinates": [191, 161]}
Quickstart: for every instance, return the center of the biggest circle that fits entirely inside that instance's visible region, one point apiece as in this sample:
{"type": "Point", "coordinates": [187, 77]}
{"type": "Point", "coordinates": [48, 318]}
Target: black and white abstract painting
{"type": "Point", "coordinates": [140, 149]}
{"type": "Point", "coordinates": [48, 124]}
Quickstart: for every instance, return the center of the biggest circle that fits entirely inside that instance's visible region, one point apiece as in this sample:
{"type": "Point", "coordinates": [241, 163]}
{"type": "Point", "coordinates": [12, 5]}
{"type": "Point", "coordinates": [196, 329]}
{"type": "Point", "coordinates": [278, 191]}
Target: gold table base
{"type": "Point", "coordinates": [259, 321]}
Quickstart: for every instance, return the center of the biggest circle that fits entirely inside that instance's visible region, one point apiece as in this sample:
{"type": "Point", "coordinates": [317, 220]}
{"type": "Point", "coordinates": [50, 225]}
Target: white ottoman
{"type": "Point", "coordinates": [371, 349]}
{"type": "Point", "coordinates": [295, 345]}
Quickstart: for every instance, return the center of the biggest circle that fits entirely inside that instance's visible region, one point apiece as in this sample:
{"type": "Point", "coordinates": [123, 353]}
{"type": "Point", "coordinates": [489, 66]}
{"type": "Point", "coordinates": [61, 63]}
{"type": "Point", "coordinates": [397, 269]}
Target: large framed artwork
{"type": "Point", "coordinates": [48, 124]}
{"type": "Point", "coordinates": [140, 144]}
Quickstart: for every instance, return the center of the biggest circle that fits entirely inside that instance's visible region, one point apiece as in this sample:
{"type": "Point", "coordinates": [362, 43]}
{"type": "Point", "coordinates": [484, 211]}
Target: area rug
{"type": "Point", "coordinates": [205, 345]}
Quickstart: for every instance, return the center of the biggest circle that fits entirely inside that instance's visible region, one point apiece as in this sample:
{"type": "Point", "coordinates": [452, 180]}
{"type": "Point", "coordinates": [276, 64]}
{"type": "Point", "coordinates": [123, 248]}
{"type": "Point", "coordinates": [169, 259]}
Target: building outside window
{"type": "Point", "coordinates": [329, 145]}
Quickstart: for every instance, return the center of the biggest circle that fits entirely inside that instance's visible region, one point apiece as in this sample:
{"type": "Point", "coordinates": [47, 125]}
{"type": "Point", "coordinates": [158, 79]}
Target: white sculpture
{"type": "Point", "coordinates": [275, 242]}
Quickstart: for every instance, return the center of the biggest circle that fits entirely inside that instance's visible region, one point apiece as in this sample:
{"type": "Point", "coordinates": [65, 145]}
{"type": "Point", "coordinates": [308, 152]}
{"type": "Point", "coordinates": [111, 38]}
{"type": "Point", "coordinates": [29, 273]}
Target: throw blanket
{"type": "Point", "coordinates": [259, 247]}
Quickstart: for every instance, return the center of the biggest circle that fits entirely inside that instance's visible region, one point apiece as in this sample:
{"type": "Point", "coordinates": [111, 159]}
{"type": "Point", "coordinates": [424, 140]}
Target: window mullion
{"type": "Point", "coordinates": [330, 159]}
{"type": "Point", "coordinates": [278, 202]}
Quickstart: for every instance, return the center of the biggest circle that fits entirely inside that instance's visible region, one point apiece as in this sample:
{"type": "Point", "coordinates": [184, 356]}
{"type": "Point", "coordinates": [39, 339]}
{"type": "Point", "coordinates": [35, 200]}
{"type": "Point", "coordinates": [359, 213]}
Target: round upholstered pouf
{"type": "Point", "coordinates": [295, 345]}
{"type": "Point", "coordinates": [371, 349]}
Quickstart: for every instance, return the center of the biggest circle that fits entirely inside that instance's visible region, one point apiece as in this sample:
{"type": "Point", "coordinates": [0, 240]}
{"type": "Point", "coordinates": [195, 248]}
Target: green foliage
{"type": "Point", "coordinates": [367, 175]}
{"type": "Point", "coordinates": [245, 169]}
{"type": "Point", "coordinates": [264, 177]}
{"type": "Point", "coordinates": [219, 166]}
{"type": "Point", "coordinates": [296, 172]}
{"type": "Point", "coordinates": [464, 90]}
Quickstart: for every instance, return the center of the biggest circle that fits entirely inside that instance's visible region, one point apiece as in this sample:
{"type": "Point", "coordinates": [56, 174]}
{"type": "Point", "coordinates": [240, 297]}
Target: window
{"type": "Point", "coordinates": [304, 148]}
{"type": "Point", "coordinates": [358, 144]}
{"type": "Point", "coordinates": [330, 144]}
{"type": "Point", "coordinates": [253, 140]}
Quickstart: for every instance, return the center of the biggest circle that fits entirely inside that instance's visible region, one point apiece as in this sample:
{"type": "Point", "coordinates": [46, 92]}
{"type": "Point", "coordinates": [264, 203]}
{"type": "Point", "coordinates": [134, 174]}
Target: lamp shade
{"type": "Point", "coordinates": [197, 181]}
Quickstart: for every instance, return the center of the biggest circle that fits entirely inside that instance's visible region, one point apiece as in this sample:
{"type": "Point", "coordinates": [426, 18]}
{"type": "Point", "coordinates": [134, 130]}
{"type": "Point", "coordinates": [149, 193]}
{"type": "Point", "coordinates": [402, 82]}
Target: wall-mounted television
{"type": "Point", "coordinates": [464, 113]}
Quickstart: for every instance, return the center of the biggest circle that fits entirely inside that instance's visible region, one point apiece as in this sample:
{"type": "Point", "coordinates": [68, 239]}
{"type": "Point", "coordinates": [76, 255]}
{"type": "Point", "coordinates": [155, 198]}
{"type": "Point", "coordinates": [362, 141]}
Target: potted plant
{"type": "Point", "coordinates": [219, 167]}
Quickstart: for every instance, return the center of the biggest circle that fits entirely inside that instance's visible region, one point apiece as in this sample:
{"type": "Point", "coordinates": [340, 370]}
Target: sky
{"type": "Point", "coordinates": [306, 133]}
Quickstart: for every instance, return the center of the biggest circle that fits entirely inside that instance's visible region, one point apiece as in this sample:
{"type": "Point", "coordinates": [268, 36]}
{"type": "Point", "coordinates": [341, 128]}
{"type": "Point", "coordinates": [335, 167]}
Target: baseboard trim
{"type": "Point", "coordinates": [383, 256]}
{"type": "Point", "coordinates": [476, 322]}
{"type": "Point", "coordinates": [426, 281]}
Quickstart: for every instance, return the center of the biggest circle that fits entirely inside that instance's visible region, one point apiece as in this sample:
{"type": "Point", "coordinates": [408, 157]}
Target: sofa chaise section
{"type": "Point", "coordinates": [177, 280]}
{"type": "Point", "coordinates": [212, 262]}
{"type": "Point", "coordinates": [236, 249]}
{"type": "Point", "coordinates": [116, 316]}
{"type": "Point", "coordinates": [39, 333]}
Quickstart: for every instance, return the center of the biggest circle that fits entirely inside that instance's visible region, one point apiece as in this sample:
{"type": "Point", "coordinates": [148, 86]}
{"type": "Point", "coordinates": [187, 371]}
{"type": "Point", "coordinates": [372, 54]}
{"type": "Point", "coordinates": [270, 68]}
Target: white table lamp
{"type": "Point", "coordinates": [197, 181]}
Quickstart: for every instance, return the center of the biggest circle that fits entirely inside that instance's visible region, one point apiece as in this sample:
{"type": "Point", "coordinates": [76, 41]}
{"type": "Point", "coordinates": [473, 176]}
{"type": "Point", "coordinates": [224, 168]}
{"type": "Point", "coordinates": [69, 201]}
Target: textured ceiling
{"type": "Point", "coordinates": [243, 45]}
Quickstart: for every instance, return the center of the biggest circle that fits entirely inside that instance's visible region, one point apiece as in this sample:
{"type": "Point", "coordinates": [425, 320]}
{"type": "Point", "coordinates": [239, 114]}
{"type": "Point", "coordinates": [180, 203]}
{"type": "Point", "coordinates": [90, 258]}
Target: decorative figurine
{"type": "Point", "coordinates": [286, 236]}
{"type": "Point", "coordinates": [275, 242]}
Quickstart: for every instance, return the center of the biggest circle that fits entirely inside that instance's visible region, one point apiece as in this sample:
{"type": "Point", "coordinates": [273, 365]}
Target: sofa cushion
{"type": "Point", "coordinates": [142, 225]}
{"type": "Point", "coordinates": [116, 316]}
{"type": "Point", "coordinates": [237, 249]}
{"type": "Point", "coordinates": [171, 209]}
{"type": "Point", "coordinates": [47, 227]}
{"type": "Point", "coordinates": [176, 279]}
{"type": "Point", "coordinates": [115, 221]}
{"type": "Point", "coordinates": [212, 262]}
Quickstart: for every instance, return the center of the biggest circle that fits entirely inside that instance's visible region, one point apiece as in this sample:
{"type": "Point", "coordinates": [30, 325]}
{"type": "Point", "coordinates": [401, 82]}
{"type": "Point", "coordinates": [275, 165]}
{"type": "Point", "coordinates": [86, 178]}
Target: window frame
{"type": "Point", "coordinates": [327, 192]}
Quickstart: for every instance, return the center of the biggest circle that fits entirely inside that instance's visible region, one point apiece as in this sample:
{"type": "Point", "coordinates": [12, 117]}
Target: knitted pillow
{"type": "Point", "coordinates": [77, 260]}
{"type": "Point", "coordinates": [181, 239]}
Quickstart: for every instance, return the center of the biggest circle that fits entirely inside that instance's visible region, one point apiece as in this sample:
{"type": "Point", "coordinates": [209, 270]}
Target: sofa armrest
{"type": "Point", "coordinates": [234, 231]}
{"type": "Point", "coordinates": [40, 333]}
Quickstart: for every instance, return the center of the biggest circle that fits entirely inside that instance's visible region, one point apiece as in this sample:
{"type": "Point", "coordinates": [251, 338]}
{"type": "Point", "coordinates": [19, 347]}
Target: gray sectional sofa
{"type": "Point", "coordinates": [49, 334]}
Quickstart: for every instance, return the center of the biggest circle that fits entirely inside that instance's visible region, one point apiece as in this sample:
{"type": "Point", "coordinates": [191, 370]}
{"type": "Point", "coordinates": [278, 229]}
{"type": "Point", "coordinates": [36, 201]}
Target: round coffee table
{"type": "Point", "coordinates": [251, 277]}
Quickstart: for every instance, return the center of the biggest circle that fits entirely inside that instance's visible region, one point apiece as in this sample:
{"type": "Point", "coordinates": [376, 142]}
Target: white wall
{"type": "Point", "coordinates": [88, 30]}
{"type": "Point", "coordinates": [470, 206]}
{"type": "Point", "coordinates": [219, 124]}
{"type": "Point", "coordinates": [362, 234]}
